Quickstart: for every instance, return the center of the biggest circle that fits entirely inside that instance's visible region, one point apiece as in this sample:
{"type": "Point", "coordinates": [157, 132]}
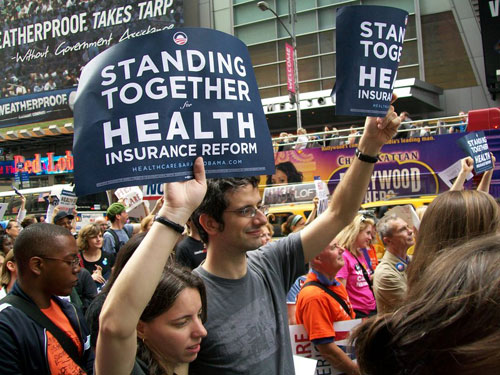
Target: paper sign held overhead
{"type": "Point", "coordinates": [147, 107]}
{"type": "Point", "coordinates": [369, 46]}
{"type": "Point", "coordinates": [130, 196]}
{"type": "Point", "coordinates": [475, 145]}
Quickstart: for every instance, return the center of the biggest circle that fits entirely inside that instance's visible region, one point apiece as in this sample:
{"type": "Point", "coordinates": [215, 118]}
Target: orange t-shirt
{"type": "Point", "coordinates": [372, 253]}
{"type": "Point", "coordinates": [317, 310]}
{"type": "Point", "coordinates": [60, 362]}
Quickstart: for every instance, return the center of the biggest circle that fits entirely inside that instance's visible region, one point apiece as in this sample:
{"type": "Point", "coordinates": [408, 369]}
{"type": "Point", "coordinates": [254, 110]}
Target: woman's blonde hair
{"type": "Point", "coordinates": [270, 227]}
{"type": "Point", "coordinates": [347, 236]}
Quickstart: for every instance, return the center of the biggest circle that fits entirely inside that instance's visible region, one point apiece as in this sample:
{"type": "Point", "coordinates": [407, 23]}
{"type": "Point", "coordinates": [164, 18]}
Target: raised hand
{"type": "Point", "coordinates": [467, 165]}
{"type": "Point", "coordinates": [182, 198]}
{"type": "Point", "coordinates": [378, 131]}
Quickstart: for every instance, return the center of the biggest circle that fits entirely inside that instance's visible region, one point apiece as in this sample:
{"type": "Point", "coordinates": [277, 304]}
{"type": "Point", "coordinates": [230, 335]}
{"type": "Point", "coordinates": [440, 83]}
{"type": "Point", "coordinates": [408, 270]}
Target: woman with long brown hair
{"type": "Point", "coordinates": [449, 323]}
{"type": "Point", "coordinates": [453, 217]}
{"type": "Point", "coordinates": [153, 310]}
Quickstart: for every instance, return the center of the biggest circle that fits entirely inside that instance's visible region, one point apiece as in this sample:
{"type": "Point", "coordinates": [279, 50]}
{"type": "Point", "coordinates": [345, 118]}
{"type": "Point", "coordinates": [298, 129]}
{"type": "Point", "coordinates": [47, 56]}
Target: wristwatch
{"type": "Point", "coordinates": [366, 158]}
{"type": "Point", "coordinates": [169, 223]}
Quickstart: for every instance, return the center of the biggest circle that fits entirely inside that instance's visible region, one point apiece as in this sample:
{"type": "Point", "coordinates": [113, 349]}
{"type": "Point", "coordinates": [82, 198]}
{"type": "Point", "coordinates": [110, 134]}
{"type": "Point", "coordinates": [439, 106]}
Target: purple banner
{"type": "Point", "coordinates": [412, 166]}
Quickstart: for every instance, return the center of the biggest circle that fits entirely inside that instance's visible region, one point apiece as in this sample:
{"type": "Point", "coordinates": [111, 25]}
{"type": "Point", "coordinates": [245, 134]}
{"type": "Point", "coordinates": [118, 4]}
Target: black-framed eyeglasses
{"type": "Point", "coordinates": [251, 211]}
{"type": "Point", "coordinates": [73, 262]}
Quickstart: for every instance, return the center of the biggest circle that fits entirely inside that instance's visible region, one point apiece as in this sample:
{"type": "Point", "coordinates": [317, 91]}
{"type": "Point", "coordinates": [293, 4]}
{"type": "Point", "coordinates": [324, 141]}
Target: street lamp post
{"type": "Point", "coordinates": [265, 6]}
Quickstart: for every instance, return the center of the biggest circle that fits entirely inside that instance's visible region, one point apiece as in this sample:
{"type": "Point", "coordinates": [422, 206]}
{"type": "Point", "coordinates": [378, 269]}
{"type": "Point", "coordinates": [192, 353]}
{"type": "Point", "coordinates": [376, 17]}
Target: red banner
{"type": "Point", "coordinates": [290, 76]}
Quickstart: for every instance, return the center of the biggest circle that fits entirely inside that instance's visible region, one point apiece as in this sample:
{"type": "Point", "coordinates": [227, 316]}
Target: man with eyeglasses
{"type": "Point", "coordinates": [246, 290]}
{"type": "Point", "coordinates": [47, 262]}
{"type": "Point", "coordinates": [322, 301]}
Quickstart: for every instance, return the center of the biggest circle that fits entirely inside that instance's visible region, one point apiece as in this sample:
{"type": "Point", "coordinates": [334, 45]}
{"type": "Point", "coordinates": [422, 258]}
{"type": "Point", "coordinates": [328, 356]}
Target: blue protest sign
{"type": "Point", "coordinates": [369, 45]}
{"type": "Point", "coordinates": [147, 107]}
{"type": "Point", "coordinates": [475, 145]}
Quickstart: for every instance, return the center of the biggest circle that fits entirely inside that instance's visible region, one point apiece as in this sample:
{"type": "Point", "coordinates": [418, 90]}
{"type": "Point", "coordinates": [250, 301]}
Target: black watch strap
{"type": "Point", "coordinates": [169, 223]}
{"type": "Point", "coordinates": [366, 158]}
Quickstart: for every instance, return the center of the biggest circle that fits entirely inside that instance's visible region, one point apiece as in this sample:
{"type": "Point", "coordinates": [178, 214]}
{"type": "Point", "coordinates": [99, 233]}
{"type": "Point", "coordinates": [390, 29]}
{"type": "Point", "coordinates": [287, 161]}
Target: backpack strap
{"type": "Point", "coordinates": [331, 293]}
{"type": "Point", "coordinates": [115, 237]}
{"type": "Point", "coordinates": [35, 314]}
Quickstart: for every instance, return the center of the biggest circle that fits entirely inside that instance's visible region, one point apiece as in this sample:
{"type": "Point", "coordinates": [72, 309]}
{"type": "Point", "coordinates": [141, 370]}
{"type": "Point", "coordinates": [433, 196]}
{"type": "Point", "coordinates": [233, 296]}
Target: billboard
{"type": "Point", "coordinates": [407, 167]}
{"type": "Point", "coordinates": [44, 46]}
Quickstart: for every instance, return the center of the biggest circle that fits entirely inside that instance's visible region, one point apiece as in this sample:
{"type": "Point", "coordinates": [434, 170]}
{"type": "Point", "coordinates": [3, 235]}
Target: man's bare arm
{"type": "Point", "coordinates": [349, 193]}
{"type": "Point", "coordinates": [338, 359]}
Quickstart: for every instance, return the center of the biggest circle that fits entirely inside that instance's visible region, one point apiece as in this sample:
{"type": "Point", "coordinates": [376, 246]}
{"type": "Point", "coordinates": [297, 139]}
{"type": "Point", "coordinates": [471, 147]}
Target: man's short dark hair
{"type": "Point", "coordinates": [36, 239]}
{"type": "Point", "coordinates": [215, 202]}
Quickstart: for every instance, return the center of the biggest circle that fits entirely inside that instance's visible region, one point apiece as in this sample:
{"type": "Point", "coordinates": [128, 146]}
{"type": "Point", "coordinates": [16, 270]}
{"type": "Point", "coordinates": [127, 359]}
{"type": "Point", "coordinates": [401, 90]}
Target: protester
{"type": "Point", "coordinates": [293, 224]}
{"type": "Point", "coordinates": [102, 222]}
{"type": "Point", "coordinates": [389, 279]}
{"type": "Point", "coordinates": [64, 219]}
{"type": "Point", "coordinates": [449, 322]}
{"type": "Point", "coordinates": [47, 266]}
{"type": "Point", "coordinates": [247, 315]}
{"type": "Point", "coordinates": [119, 232]}
{"type": "Point", "coordinates": [267, 233]}
{"type": "Point", "coordinates": [357, 273]}
{"type": "Point", "coordinates": [286, 173]}
{"type": "Point", "coordinates": [322, 301]}
{"type": "Point", "coordinates": [8, 274]}
{"type": "Point", "coordinates": [84, 291]}
{"type": "Point", "coordinates": [40, 218]}
{"type": "Point", "coordinates": [6, 243]}
{"type": "Point", "coordinates": [94, 310]}
{"type": "Point", "coordinates": [98, 262]}
{"type": "Point", "coordinates": [191, 251]}
{"type": "Point", "coordinates": [453, 217]}
{"type": "Point", "coordinates": [12, 229]}
{"type": "Point", "coordinates": [291, 298]}
{"type": "Point", "coordinates": [28, 221]}
{"type": "Point", "coordinates": [159, 314]}
{"type": "Point", "coordinates": [467, 166]}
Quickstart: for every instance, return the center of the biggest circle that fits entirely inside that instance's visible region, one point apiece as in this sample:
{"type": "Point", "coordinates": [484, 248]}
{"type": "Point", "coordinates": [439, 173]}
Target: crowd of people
{"type": "Point", "coordinates": [199, 287]}
{"type": "Point", "coordinates": [351, 136]}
